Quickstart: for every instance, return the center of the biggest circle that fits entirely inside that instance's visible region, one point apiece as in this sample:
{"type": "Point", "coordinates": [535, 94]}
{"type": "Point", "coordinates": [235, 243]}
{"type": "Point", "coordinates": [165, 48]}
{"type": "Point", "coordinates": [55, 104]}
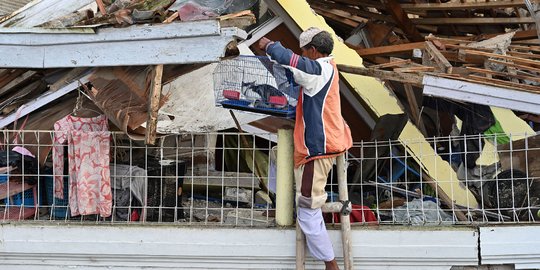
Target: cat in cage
{"type": "Point", "coordinates": [266, 93]}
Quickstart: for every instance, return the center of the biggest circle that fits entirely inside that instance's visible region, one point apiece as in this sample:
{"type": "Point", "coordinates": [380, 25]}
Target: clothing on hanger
{"type": "Point", "coordinates": [88, 156]}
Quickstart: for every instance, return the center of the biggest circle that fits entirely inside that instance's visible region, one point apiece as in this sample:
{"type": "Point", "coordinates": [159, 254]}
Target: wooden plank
{"type": "Point", "coordinates": [533, 9]}
{"type": "Point", "coordinates": [414, 69]}
{"type": "Point", "coordinates": [526, 48]}
{"type": "Point", "coordinates": [397, 63]}
{"type": "Point", "coordinates": [514, 85]}
{"type": "Point", "coordinates": [524, 55]}
{"type": "Point", "coordinates": [520, 35]}
{"type": "Point", "coordinates": [413, 105]}
{"type": "Point", "coordinates": [461, 6]}
{"type": "Point", "coordinates": [402, 20]}
{"type": "Point", "coordinates": [13, 83]}
{"type": "Point", "coordinates": [503, 74]}
{"type": "Point", "coordinates": [471, 21]}
{"type": "Point", "coordinates": [341, 16]}
{"type": "Point", "coordinates": [391, 49]}
{"type": "Point", "coordinates": [382, 74]}
{"type": "Point", "coordinates": [509, 64]}
{"type": "Point", "coordinates": [153, 105]}
{"type": "Point", "coordinates": [101, 7]}
{"type": "Point", "coordinates": [4, 170]}
{"type": "Point", "coordinates": [506, 57]}
{"type": "Point", "coordinates": [41, 101]}
{"type": "Point", "coordinates": [171, 18]}
{"type": "Point", "coordinates": [13, 188]}
{"type": "Point", "coordinates": [353, 11]}
{"type": "Point", "coordinates": [17, 213]}
{"type": "Point", "coordinates": [360, 3]}
{"type": "Point", "coordinates": [453, 56]}
{"type": "Point", "coordinates": [438, 58]}
{"type": "Point", "coordinates": [346, 240]}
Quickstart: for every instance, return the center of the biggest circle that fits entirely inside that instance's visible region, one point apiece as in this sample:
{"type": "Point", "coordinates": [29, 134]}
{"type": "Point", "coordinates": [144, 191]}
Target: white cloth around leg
{"type": "Point", "coordinates": [312, 224]}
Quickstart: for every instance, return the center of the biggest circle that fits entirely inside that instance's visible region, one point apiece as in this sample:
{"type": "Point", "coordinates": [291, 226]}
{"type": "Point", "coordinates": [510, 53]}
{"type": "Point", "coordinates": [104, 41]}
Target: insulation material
{"type": "Point", "coordinates": [122, 93]}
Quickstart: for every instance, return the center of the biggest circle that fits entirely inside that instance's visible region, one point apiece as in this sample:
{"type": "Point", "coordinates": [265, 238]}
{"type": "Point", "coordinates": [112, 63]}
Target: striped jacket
{"type": "Point", "coordinates": [320, 131]}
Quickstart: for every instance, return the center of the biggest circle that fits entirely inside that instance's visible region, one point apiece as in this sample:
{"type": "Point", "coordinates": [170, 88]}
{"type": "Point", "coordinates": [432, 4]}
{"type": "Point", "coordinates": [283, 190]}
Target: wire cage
{"type": "Point", "coordinates": [255, 84]}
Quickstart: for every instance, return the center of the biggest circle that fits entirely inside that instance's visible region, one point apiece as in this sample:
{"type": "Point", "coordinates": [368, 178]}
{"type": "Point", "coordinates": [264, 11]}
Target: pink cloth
{"type": "Point", "coordinates": [88, 154]}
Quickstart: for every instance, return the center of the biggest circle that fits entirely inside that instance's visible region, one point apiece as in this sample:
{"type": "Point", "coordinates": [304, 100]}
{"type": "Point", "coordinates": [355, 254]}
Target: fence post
{"type": "Point", "coordinates": [285, 178]}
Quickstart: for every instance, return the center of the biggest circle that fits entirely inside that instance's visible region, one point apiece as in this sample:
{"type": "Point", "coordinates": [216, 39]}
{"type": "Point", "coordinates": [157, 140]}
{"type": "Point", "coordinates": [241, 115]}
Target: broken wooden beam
{"type": "Point", "coordinates": [414, 69]}
{"type": "Point", "coordinates": [471, 21]}
{"type": "Point", "coordinates": [534, 10]}
{"type": "Point", "coordinates": [153, 105]}
{"type": "Point", "coordinates": [461, 6]}
{"type": "Point", "coordinates": [400, 48]}
{"type": "Point", "coordinates": [437, 57]}
{"type": "Point", "coordinates": [402, 20]}
{"type": "Point", "coordinates": [327, 6]}
{"type": "Point", "coordinates": [514, 59]}
{"type": "Point", "coordinates": [413, 105]}
{"type": "Point", "coordinates": [101, 7]}
{"type": "Point", "coordinates": [362, 3]}
{"type": "Point", "coordinates": [341, 16]}
{"type": "Point", "coordinates": [382, 74]}
{"type": "Point", "coordinates": [503, 74]}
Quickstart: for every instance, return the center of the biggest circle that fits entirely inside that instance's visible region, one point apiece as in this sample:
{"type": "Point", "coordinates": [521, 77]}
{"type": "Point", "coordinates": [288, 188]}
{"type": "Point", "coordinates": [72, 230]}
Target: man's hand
{"type": "Point", "coordinates": [263, 42]}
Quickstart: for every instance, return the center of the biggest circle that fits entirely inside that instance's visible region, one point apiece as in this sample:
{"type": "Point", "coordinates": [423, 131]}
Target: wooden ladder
{"type": "Point", "coordinates": [334, 207]}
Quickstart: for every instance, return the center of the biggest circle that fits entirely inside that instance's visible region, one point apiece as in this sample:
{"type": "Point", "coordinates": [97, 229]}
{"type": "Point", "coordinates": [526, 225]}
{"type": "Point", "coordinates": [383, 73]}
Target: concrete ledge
{"type": "Point", "coordinates": [31, 246]}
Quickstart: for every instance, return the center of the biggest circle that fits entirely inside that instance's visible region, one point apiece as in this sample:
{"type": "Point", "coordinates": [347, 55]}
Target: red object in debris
{"type": "Point", "coordinates": [359, 214]}
{"type": "Point", "coordinates": [134, 215]}
{"type": "Point", "coordinates": [231, 94]}
{"type": "Point", "coordinates": [277, 100]}
{"type": "Point", "coordinates": [191, 11]}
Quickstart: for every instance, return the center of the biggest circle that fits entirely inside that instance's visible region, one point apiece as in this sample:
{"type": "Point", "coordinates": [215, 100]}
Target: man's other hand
{"type": "Point", "coordinates": [263, 42]}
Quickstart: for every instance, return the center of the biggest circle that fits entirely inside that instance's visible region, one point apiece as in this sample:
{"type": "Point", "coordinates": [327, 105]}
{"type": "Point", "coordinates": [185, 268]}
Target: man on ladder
{"type": "Point", "coordinates": [320, 132]}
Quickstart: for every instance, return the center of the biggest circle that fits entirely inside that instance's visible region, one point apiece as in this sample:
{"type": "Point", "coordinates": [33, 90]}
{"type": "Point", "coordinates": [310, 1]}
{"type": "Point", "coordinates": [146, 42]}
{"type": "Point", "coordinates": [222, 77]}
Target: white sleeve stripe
{"type": "Point", "coordinates": [312, 83]}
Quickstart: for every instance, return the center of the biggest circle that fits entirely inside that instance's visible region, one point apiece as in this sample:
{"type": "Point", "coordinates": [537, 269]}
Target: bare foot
{"type": "Point", "coordinates": [331, 265]}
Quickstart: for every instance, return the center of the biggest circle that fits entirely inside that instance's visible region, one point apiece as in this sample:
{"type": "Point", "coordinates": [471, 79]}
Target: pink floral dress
{"type": "Point", "coordinates": [88, 154]}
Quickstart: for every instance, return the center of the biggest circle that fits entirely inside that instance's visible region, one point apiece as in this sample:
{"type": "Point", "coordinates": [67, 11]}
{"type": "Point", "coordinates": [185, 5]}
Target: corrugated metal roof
{"type": "Point", "coordinates": [8, 6]}
{"type": "Point", "coordinates": [174, 43]}
{"type": "Point", "coordinates": [42, 11]}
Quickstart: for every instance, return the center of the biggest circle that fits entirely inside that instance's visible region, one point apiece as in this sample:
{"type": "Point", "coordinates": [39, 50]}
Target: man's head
{"type": "Point", "coordinates": [316, 43]}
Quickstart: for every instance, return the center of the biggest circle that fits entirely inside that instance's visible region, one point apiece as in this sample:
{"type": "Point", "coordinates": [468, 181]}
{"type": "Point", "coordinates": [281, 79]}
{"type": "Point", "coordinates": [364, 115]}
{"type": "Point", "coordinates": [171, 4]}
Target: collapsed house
{"type": "Point", "coordinates": [147, 67]}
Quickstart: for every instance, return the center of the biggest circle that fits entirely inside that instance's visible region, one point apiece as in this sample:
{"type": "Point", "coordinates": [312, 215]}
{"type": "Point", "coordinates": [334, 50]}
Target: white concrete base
{"type": "Point", "coordinates": [518, 245]}
{"type": "Point", "coordinates": [31, 246]}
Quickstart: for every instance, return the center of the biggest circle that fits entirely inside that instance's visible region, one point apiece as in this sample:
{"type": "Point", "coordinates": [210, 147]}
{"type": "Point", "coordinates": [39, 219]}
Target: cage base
{"type": "Point", "coordinates": [290, 113]}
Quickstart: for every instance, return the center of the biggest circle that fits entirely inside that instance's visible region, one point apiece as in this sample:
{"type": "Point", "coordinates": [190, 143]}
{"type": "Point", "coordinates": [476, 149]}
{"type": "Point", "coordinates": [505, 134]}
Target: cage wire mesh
{"type": "Point", "coordinates": [255, 84]}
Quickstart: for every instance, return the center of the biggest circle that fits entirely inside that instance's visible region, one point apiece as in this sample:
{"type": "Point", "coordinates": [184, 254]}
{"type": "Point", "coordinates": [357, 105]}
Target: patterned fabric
{"type": "Point", "coordinates": [88, 154]}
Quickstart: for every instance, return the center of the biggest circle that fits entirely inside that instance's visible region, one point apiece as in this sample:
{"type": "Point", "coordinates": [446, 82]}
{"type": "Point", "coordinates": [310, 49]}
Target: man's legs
{"type": "Point", "coordinates": [312, 224]}
{"type": "Point", "coordinates": [311, 195]}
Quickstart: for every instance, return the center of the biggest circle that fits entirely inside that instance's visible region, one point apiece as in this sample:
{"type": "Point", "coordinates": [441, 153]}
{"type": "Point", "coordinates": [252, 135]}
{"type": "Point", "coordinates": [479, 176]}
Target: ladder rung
{"type": "Point", "coordinates": [334, 207]}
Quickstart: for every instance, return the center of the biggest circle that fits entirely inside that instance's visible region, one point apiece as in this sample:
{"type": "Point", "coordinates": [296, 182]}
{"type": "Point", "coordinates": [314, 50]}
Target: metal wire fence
{"type": "Point", "coordinates": [229, 179]}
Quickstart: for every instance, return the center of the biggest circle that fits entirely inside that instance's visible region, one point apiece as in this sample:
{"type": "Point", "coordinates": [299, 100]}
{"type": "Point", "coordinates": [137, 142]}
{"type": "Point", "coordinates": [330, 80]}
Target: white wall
{"type": "Point", "coordinates": [62, 246]}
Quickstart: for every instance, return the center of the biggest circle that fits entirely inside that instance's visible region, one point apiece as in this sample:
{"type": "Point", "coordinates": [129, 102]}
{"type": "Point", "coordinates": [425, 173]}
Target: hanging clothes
{"type": "Point", "coordinates": [88, 156]}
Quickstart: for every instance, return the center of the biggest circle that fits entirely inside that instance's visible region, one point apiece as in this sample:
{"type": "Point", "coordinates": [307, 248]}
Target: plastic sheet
{"type": "Point", "coordinates": [204, 9]}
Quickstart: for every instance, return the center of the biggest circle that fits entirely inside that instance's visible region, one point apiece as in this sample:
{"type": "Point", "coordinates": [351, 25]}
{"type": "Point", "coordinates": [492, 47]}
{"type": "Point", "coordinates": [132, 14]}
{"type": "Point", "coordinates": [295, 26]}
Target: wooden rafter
{"type": "Point", "coordinates": [462, 6]}
{"type": "Point", "coordinates": [472, 21]}
{"type": "Point", "coordinates": [400, 48]}
{"type": "Point", "coordinates": [402, 20]}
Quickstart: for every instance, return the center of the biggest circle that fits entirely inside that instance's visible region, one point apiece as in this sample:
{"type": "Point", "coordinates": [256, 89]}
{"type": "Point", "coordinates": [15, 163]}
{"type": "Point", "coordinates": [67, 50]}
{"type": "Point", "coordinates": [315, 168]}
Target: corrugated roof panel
{"type": "Point", "coordinates": [8, 6]}
{"type": "Point", "coordinates": [43, 11]}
